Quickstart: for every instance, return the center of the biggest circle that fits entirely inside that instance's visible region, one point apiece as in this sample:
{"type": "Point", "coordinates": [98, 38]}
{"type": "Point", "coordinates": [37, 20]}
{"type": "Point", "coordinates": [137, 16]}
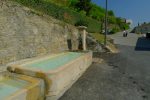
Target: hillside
{"type": "Point", "coordinates": [71, 11]}
{"type": "Point", "coordinates": [86, 7]}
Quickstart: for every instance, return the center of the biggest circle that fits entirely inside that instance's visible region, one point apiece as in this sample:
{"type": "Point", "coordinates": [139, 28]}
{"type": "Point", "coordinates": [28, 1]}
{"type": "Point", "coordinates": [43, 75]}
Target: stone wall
{"type": "Point", "coordinates": [25, 33]}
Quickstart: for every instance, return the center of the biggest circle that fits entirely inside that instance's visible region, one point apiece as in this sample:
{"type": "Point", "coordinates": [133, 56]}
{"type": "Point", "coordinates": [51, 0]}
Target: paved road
{"type": "Point", "coordinates": [135, 55]}
{"type": "Point", "coordinates": [123, 76]}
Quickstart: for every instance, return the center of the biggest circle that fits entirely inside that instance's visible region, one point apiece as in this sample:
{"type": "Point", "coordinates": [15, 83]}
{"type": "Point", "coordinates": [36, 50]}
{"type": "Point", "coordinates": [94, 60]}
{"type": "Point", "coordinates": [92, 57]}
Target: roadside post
{"type": "Point", "coordinates": [106, 16]}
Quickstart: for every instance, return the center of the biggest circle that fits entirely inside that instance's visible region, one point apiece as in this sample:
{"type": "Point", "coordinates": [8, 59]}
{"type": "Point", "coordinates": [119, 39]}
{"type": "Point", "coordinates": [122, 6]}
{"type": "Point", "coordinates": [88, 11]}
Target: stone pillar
{"type": "Point", "coordinates": [82, 30]}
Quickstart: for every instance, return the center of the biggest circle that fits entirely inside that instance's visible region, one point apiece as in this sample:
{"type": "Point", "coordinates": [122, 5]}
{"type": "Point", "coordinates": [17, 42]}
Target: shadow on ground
{"type": "Point", "coordinates": [143, 44]}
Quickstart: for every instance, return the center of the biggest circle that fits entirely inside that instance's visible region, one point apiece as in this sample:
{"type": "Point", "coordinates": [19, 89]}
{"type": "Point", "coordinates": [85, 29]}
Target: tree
{"type": "Point", "coordinates": [72, 3]}
{"type": "Point", "coordinates": [122, 24]}
{"type": "Point", "coordinates": [111, 13]}
{"type": "Point", "coordinates": [96, 12]}
{"type": "Point", "coordinates": [60, 2]}
{"type": "Point", "coordinates": [84, 5]}
{"type": "Point", "coordinates": [112, 20]}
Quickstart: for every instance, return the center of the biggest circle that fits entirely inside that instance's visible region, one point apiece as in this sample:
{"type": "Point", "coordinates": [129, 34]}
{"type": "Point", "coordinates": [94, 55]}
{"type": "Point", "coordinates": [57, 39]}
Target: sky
{"type": "Point", "coordinates": [136, 10]}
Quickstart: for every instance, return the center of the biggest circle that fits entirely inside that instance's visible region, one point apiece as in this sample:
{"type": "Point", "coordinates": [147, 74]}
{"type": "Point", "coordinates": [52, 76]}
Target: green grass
{"type": "Point", "coordinates": [99, 37]}
{"type": "Point", "coordinates": [61, 13]}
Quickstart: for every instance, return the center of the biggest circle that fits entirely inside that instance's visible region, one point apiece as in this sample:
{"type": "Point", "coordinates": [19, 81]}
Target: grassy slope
{"type": "Point", "coordinates": [61, 13]}
{"type": "Point", "coordinates": [99, 37]}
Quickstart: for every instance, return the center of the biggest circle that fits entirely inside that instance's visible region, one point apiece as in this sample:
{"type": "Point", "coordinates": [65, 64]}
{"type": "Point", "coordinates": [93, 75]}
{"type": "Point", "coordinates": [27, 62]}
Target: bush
{"type": "Point", "coordinates": [81, 23]}
{"type": "Point", "coordinates": [114, 30]}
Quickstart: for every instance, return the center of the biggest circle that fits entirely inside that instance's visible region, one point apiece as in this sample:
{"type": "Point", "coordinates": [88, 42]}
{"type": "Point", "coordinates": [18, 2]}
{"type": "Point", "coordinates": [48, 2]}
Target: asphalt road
{"type": "Point", "coordinates": [122, 76]}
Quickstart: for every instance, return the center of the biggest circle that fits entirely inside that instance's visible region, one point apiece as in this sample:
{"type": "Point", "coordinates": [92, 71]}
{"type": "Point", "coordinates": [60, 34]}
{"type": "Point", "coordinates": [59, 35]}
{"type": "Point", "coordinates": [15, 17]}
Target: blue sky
{"type": "Point", "coordinates": [136, 10]}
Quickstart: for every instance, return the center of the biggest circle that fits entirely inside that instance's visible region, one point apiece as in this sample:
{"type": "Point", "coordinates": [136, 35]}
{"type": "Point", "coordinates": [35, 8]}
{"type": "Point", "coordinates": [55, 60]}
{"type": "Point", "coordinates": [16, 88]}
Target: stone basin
{"type": "Point", "coordinates": [59, 71]}
{"type": "Point", "coordinates": [20, 87]}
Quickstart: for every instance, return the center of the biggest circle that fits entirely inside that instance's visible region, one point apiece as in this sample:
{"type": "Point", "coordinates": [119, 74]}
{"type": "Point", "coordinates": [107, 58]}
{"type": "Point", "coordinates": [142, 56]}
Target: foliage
{"type": "Point", "coordinates": [97, 12]}
{"type": "Point", "coordinates": [61, 13]}
{"type": "Point", "coordinates": [84, 5]}
{"type": "Point", "coordinates": [76, 11]}
{"type": "Point", "coordinates": [82, 13]}
{"type": "Point", "coordinates": [112, 20]}
{"type": "Point", "coordinates": [72, 3]}
{"type": "Point", "coordinates": [122, 24]}
{"type": "Point", "coordinates": [114, 30]}
{"type": "Point", "coordinates": [81, 23]}
{"type": "Point", "coordinates": [99, 37]}
{"type": "Point", "coordinates": [111, 13]}
{"type": "Point", "coordinates": [59, 2]}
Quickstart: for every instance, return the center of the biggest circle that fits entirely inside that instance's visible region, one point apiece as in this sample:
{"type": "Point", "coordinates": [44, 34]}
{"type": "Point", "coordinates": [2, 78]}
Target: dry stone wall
{"type": "Point", "coordinates": [25, 33]}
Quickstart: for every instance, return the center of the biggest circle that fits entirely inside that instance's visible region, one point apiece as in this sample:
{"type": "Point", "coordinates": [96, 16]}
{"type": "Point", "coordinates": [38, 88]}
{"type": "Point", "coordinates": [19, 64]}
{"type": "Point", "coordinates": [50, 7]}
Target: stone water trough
{"type": "Point", "coordinates": [59, 71]}
{"type": "Point", "coordinates": [20, 87]}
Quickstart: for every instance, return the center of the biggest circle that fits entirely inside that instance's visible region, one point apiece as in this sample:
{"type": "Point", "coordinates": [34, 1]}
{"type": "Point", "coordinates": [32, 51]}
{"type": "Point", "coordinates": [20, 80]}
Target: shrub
{"type": "Point", "coordinates": [81, 23]}
{"type": "Point", "coordinates": [114, 30]}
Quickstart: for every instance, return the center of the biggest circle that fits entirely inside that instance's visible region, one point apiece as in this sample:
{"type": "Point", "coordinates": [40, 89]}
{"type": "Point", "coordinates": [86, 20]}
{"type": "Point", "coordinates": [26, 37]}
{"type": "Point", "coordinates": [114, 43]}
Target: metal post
{"type": "Point", "coordinates": [106, 14]}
